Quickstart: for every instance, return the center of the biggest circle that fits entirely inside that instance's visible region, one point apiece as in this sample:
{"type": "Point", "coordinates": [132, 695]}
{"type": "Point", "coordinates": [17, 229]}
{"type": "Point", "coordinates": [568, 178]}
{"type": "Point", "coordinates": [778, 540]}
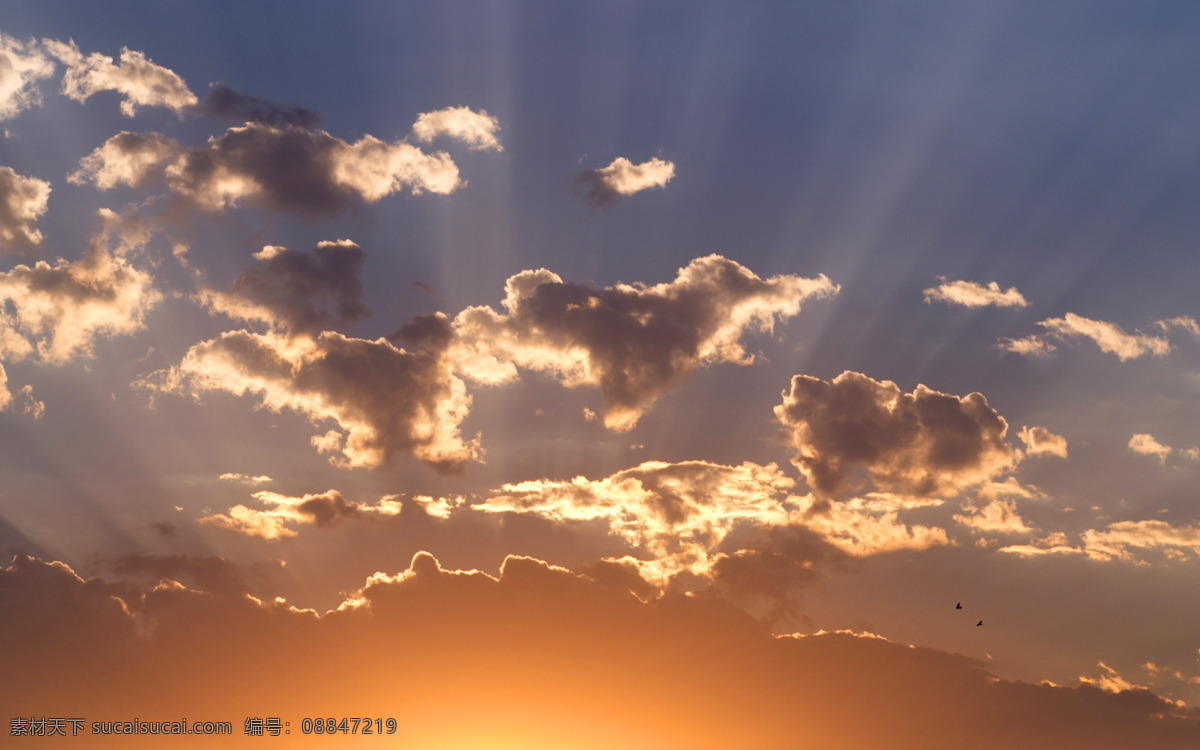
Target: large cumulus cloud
{"type": "Point", "coordinates": [384, 400]}
{"type": "Point", "coordinates": [633, 341]}
{"type": "Point", "coordinates": [921, 443]}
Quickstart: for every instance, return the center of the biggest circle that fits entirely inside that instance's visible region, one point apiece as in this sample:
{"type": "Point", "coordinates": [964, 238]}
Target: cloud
{"type": "Point", "coordinates": [384, 400]}
{"type": "Point", "coordinates": [1110, 337]}
{"type": "Point", "coordinates": [972, 294]}
{"type": "Point", "coordinates": [476, 129]}
{"type": "Point", "coordinates": [325, 510]}
{"type": "Point", "coordinates": [229, 103]}
{"type": "Point", "coordinates": [678, 512]}
{"type": "Point", "coordinates": [1039, 440]}
{"type": "Point", "coordinates": [139, 81]}
{"type": "Point", "coordinates": [30, 406]}
{"type": "Point", "coordinates": [1119, 540]}
{"type": "Point", "coordinates": [623, 178]}
{"type": "Point", "coordinates": [997, 516]}
{"type": "Point", "coordinates": [1109, 680]}
{"type": "Point", "coordinates": [297, 292]}
{"type": "Point", "coordinates": [1188, 324]}
{"type": "Point", "coordinates": [6, 396]}
{"type": "Point", "coordinates": [1148, 446]}
{"type": "Point", "coordinates": [871, 525]}
{"type": "Point", "coordinates": [62, 309]}
{"type": "Point", "coordinates": [600, 668]}
{"type": "Point", "coordinates": [245, 478]}
{"type": "Point", "coordinates": [131, 159]}
{"type": "Point", "coordinates": [22, 202]}
{"type": "Point", "coordinates": [633, 341]}
{"type": "Point", "coordinates": [22, 65]}
{"type": "Point", "coordinates": [923, 443]}
{"type": "Point", "coordinates": [1032, 345]}
{"type": "Point", "coordinates": [282, 168]}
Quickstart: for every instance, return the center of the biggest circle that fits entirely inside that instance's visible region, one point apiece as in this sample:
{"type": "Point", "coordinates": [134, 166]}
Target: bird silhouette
{"type": "Point", "coordinates": [958, 606]}
{"type": "Point", "coordinates": [979, 623]}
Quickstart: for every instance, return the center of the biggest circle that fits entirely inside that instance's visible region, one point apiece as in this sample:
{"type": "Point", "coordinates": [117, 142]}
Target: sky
{"type": "Point", "coordinates": [574, 375]}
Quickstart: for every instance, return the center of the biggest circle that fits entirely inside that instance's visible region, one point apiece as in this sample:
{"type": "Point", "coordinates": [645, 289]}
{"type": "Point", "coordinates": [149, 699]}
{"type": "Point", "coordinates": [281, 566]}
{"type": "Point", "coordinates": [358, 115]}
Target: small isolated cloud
{"type": "Point", "coordinates": [283, 168]}
{"type": "Point", "coordinates": [139, 81]}
{"type": "Point", "coordinates": [245, 478]}
{"type": "Point", "coordinates": [282, 513]}
{"type": "Point", "coordinates": [923, 443]}
{"type": "Point", "coordinates": [226, 102]}
{"type": "Point", "coordinates": [131, 159]}
{"type": "Point", "coordinates": [385, 400]}
{"type": "Point", "coordinates": [297, 292]}
{"type": "Point", "coordinates": [22, 65]}
{"type": "Point", "coordinates": [476, 129]}
{"type": "Point", "coordinates": [61, 309]}
{"type": "Point", "coordinates": [1032, 345]}
{"type": "Point", "coordinates": [1039, 440]}
{"type": "Point", "coordinates": [1147, 446]}
{"type": "Point", "coordinates": [623, 178]}
{"type": "Point", "coordinates": [30, 406]}
{"type": "Point", "coordinates": [22, 202]}
{"type": "Point", "coordinates": [631, 340]}
{"type": "Point", "coordinates": [972, 294]}
{"type": "Point", "coordinates": [1110, 337]}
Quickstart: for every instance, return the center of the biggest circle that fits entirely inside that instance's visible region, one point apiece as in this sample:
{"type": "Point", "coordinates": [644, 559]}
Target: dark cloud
{"type": "Point", "coordinates": [597, 667]}
{"type": "Point", "coordinates": [229, 103]}
{"type": "Point", "coordinates": [215, 575]}
{"type": "Point", "coordinates": [920, 443]}
{"type": "Point", "coordinates": [285, 168]}
{"type": "Point", "coordinates": [298, 292]}
{"type": "Point", "coordinates": [633, 341]}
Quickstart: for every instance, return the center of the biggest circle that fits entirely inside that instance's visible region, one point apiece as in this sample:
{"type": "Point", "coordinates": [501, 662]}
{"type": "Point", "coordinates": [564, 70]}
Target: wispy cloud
{"type": "Point", "coordinates": [140, 81]}
{"type": "Point", "coordinates": [22, 65]}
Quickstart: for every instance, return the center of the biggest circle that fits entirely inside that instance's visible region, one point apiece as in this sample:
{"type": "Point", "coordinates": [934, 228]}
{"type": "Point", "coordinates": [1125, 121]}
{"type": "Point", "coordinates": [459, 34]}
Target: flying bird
{"type": "Point", "coordinates": [979, 623]}
{"type": "Point", "coordinates": [958, 606]}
